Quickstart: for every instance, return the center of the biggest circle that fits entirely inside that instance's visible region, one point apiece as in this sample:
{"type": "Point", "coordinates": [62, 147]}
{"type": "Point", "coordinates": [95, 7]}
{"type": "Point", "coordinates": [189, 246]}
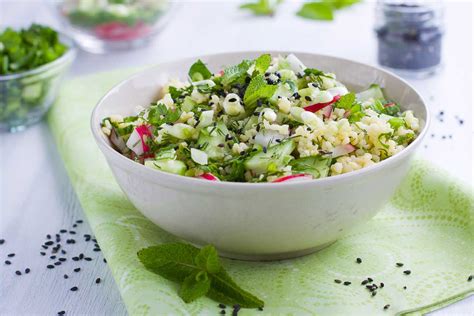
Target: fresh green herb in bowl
{"type": "Point", "coordinates": [32, 62]}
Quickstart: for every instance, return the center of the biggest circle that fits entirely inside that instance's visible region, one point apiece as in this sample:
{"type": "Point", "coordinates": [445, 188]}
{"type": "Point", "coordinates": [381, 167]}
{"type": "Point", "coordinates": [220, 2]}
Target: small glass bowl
{"type": "Point", "coordinates": [26, 96]}
{"type": "Point", "coordinates": [110, 25]}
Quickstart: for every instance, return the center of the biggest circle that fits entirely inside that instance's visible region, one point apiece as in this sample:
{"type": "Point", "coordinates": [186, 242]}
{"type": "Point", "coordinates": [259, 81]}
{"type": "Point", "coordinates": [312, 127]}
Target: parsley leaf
{"type": "Point", "coordinates": [262, 7]}
{"type": "Point", "coordinates": [316, 11]}
{"type": "Point", "coordinates": [236, 73]}
{"type": "Point", "coordinates": [199, 271]}
{"type": "Point", "coordinates": [262, 63]}
{"type": "Point", "coordinates": [258, 89]}
{"type": "Point", "coordinates": [159, 114]}
{"type": "Point", "coordinates": [346, 101]}
{"type": "Point", "coordinates": [199, 71]}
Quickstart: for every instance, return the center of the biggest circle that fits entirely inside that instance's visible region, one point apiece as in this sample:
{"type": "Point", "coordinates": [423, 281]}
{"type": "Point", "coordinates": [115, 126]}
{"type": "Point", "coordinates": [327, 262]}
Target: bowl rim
{"type": "Point", "coordinates": [150, 173]}
{"type": "Point", "coordinates": [69, 55]}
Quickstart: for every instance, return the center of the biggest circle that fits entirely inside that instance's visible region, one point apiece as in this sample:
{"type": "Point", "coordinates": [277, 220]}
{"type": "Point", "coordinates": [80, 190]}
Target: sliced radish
{"type": "Point", "coordinates": [342, 150]}
{"type": "Point", "coordinates": [347, 114]}
{"type": "Point", "coordinates": [208, 176]}
{"type": "Point", "coordinates": [137, 140]}
{"type": "Point", "coordinates": [199, 156]}
{"type": "Point", "coordinates": [389, 105]}
{"type": "Point", "coordinates": [318, 106]}
{"type": "Point", "coordinates": [327, 111]}
{"type": "Point", "coordinates": [294, 178]}
{"type": "Point", "coordinates": [118, 31]}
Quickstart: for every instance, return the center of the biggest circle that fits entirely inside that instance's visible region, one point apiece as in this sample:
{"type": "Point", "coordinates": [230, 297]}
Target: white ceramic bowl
{"type": "Point", "coordinates": [257, 221]}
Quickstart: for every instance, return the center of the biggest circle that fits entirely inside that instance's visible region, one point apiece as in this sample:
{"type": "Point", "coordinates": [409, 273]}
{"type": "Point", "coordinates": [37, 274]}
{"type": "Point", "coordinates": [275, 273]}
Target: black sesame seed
{"type": "Point", "coordinates": [63, 252]}
{"type": "Point", "coordinates": [43, 253]}
{"type": "Point", "coordinates": [81, 256]}
{"type": "Point", "coordinates": [66, 276]}
{"type": "Point", "coordinates": [461, 122]}
{"type": "Point", "coordinates": [96, 249]}
{"type": "Point", "coordinates": [264, 150]}
{"type": "Point", "coordinates": [62, 259]}
{"type": "Point", "coordinates": [399, 264]}
{"type": "Point", "coordinates": [382, 285]}
{"type": "Point", "coordinates": [404, 287]}
{"type": "Point", "coordinates": [337, 281]}
{"type": "Point", "coordinates": [77, 269]}
{"type": "Point", "coordinates": [386, 306]}
{"type": "Point", "coordinates": [407, 272]}
{"type": "Point", "coordinates": [105, 261]}
{"type": "Point", "coordinates": [222, 312]}
{"type": "Point", "coordinates": [44, 247]}
{"type": "Point", "coordinates": [370, 279]}
{"type": "Point", "coordinates": [2, 241]}
{"type": "Point", "coordinates": [62, 231]}
{"type": "Point", "coordinates": [470, 278]}
{"type": "Point", "coordinates": [49, 243]}
{"type": "Point", "coordinates": [50, 266]}
{"type": "Point", "coordinates": [359, 260]}
{"type": "Point", "coordinates": [74, 226]}
{"type": "Point", "coordinates": [27, 270]}
{"type": "Point", "coordinates": [364, 282]}
{"type": "Point", "coordinates": [10, 255]}
{"type": "Point", "coordinates": [374, 293]}
{"type": "Point", "coordinates": [57, 263]}
{"type": "Point", "coordinates": [18, 272]}
{"type": "Point", "coordinates": [222, 306]}
{"type": "Point", "coordinates": [97, 281]}
{"type": "Point", "coordinates": [260, 308]}
{"type": "Point", "coordinates": [8, 262]}
{"type": "Point", "coordinates": [307, 98]}
{"type": "Point", "coordinates": [61, 313]}
{"type": "Point", "coordinates": [48, 236]}
{"type": "Point", "coordinates": [74, 288]}
{"type": "Point", "coordinates": [347, 283]}
{"type": "Point", "coordinates": [52, 257]}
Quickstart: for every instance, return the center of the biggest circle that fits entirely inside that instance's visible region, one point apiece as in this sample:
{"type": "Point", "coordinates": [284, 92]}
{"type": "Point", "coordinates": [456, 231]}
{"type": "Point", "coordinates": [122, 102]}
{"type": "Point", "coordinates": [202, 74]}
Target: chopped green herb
{"type": "Point", "coordinates": [262, 7]}
{"type": "Point", "coordinates": [316, 11]}
{"type": "Point", "coordinates": [199, 71]}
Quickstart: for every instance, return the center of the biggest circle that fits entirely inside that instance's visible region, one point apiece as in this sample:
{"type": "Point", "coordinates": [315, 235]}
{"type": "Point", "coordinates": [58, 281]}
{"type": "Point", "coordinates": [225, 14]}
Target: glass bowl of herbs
{"type": "Point", "coordinates": [101, 26]}
{"type": "Point", "coordinates": [33, 62]}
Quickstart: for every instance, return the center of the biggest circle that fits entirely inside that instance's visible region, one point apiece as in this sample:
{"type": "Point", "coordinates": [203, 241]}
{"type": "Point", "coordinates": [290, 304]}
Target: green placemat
{"type": "Point", "coordinates": [428, 225]}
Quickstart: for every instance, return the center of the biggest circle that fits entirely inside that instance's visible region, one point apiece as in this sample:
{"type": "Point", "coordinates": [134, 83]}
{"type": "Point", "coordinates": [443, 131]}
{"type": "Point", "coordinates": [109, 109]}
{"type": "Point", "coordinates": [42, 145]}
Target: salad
{"type": "Point", "coordinates": [114, 20]}
{"type": "Point", "coordinates": [263, 120]}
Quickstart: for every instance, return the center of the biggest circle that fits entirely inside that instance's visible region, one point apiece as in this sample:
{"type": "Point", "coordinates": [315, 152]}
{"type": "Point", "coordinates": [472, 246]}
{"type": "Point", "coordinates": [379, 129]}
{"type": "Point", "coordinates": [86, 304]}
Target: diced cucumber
{"type": "Point", "coordinates": [167, 165]}
{"type": "Point", "coordinates": [317, 166]}
{"type": "Point", "coordinates": [210, 140]}
{"type": "Point", "coordinates": [373, 92]}
{"type": "Point", "coordinates": [188, 104]}
{"type": "Point", "coordinates": [274, 158]}
{"type": "Point", "coordinates": [32, 92]}
{"type": "Point", "coordinates": [287, 74]}
{"type": "Point", "coordinates": [180, 130]}
{"type": "Point", "coordinates": [284, 90]}
{"type": "Point", "coordinates": [206, 118]}
{"type": "Point", "coordinates": [166, 154]}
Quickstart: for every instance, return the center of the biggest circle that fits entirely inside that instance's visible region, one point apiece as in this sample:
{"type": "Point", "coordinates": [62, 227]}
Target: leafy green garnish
{"type": "Point", "coordinates": [396, 122]}
{"type": "Point", "coordinates": [27, 49]}
{"type": "Point", "coordinates": [316, 11]}
{"type": "Point", "coordinates": [262, 63]}
{"type": "Point", "coordinates": [262, 7]}
{"type": "Point", "coordinates": [258, 89]}
{"type": "Point", "coordinates": [356, 113]}
{"type": "Point", "coordinates": [392, 110]}
{"type": "Point", "coordinates": [159, 114]}
{"type": "Point", "coordinates": [199, 71]}
{"type": "Point", "coordinates": [236, 73]}
{"type": "Point", "coordinates": [199, 271]}
{"type": "Point", "coordinates": [346, 101]}
{"type": "Point", "coordinates": [317, 166]}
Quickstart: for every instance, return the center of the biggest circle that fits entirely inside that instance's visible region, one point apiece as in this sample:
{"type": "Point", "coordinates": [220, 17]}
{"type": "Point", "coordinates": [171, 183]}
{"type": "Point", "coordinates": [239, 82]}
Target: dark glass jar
{"type": "Point", "coordinates": [409, 36]}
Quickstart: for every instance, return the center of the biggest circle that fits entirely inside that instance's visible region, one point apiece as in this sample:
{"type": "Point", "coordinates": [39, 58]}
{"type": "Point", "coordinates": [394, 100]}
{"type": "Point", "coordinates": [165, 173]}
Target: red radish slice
{"type": "Point", "coordinates": [389, 105]}
{"type": "Point", "coordinates": [318, 106]}
{"type": "Point", "coordinates": [117, 31]}
{"type": "Point", "coordinates": [342, 150]}
{"type": "Point", "coordinates": [327, 111]}
{"type": "Point", "coordinates": [347, 114]}
{"type": "Point", "coordinates": [143, 131]}
{"type": "Point", "coordinates": [208, 176]}
{"type": "Point", "coordinates": [221, 73]}
{"type": "Point", "coordinates": [293, 177]}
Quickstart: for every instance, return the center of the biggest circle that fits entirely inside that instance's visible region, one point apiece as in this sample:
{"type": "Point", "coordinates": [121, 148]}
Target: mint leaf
{"type": "Point", "coordinates": [199, 271]}
{"type": "Point", "coordinates": [236, 73]}
{"type": "Point", "coordinates": [199, 71]}
{"type": "Point", "coordinates": [396, 122]}
{"type": "Point", "coordinates": [262, 63]}
{"type": "Point", "coordinates": [339, 4]}
{"type": "Point", "coordinates": [208, 260]}
{"type": "Point", "coordinates": [356, 113]}
{"type": "Point", "coordinates": [258, 88]}
{"type": "Point", "coordinates": [262, 7]}
{"type": "Point", "coordinates": [194, 286]}
{"type": "Point", "coordinates": [346, 101]}
{"type": "Point", "coordinates": [225, 290]}
{"type": "Point", "coordinates": [316, 11]}
{"type": "Point", "coordinates": [174, 261]}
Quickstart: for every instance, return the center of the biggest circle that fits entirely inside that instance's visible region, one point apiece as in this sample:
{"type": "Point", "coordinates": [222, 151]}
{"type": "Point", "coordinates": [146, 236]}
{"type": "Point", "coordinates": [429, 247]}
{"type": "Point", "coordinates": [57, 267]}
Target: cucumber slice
{"type": "Point", "coordinates": [284, 90]}
{"type": "Point", "coordinates": [316, 166]}
{"type": "Point", "coordinates": [167, 165]}
{"type": "Point", "coordinates": [275, 158]}
{"type": "Point", "coordinates": [188, 104]}
{"type": "Point", "coordinates": [210, 140]}
{"type": "Point", "coordinates": [181, 131]}
{"type": "Point", "coordinates": [373, 92]}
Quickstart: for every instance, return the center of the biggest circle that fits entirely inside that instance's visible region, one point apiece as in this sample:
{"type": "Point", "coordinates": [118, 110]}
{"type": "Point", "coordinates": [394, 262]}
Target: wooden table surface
{"type": "Point", "coordinates": [36, 197]}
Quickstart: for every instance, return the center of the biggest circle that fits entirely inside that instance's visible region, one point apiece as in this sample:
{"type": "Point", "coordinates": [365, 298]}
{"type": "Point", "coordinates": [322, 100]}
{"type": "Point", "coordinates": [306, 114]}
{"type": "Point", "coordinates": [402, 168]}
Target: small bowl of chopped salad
{"type": "Point", "coordinates": [266, 156]}
{"type": "Point", "coordinates": [33, 62]}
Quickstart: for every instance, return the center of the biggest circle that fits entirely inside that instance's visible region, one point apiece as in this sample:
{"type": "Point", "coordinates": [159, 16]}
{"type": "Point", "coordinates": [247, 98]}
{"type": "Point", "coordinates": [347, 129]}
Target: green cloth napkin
{"type": "Point", "coordinates": [428, 226]}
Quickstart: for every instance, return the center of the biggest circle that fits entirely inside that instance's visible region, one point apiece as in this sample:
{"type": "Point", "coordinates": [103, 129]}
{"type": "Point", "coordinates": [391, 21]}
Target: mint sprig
{"type": "Point", "coordinates": [316, 11]}
{"type": "Point", "coordinates": [199, 71]}
{"type": "Point", "coordinates": [262, 63]}
{"type": "Point", "coordinates": [199, 271]}
{"type": "Point", "coordinates": [258, 89]}
{"type": "Point", "coordinates": [262, 7]}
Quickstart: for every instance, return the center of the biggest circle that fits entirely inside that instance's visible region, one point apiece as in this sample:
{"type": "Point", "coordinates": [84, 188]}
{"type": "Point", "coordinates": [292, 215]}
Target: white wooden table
{"type": "Point", "coordinates": [36, 197]}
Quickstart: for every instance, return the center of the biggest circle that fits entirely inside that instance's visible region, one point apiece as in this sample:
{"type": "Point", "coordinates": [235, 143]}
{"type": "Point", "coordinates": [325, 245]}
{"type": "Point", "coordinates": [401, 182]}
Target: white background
{"type": "Point", "coordinates": [36, 197]}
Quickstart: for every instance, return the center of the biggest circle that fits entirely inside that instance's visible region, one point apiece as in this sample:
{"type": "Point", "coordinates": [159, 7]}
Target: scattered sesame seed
{"type": "Point", "coordinates": [359, 260]}
{"type": "Point", "coordinates": [72, 232]}
{"type": "Point", "coordinates": [470, 278]}
{"type": "Point", "coordinates": [18, 272]}
{"type": "Point", "coordinates": [77, 269]}
{"type": "Point", "coordinates": [399, 264]}
{"type": "Point", "coordinates": [105, 261]}
{"type": "Point", "coordinates": [57, 263]}
{"type": "Point", "coordinates": [74, 288]}
{"type": "Point", "coordinates": [48, 236]}
{"type": "Point", "coordinates": [62, 231]}
{"type": "Point", "coordinates": [52, 257]}
{"type": "Point", "coordinates": [2, 241]}
{"type": "Point", "coordinates": [370, 279]}
{"type": "Point", "coordinates": [386, 307]}
{"type": "Point", "coordinates": [8, 262]}
{"type": "Point", "coordinates": [404, 287]}
{"type": "Point", "coordinates": [66, 276]}
{"type": "Point", "coordinates": [374, 293]}
{"type": "Point", "coordinates": [382, 285]}
{"type": "Point", "coordinates": [307, 98]}
{"type": "Point", "coordinates": [407, 272]}
{"type": "Point", "coordinates": [61, 313]}
{"type": "Point", "coordinates": [364, 282]}
{"type": "Point", "coordinates": [50, 266]}
{"type": "Point", "coordinates": [43, 253]}
{"type": "Point", "coordinates": [75, 258]}
{"type": "Point", "coordinates": [79, 221]}
{"type": "Point", "coordinates": [44, 247]}
{"type": "Point", "coordinates": [49, 243]}
{"type": "Point", "coordinates": [346, 283]}
{"type": "Point", "coordinates": [62, 259]}
{"type": "Point", "coordinates": [222, 312]}
{"type": "Point", "coordinates": [27, 270]}
{"type": "Point", "coordinates": [10, 255]}
{"type": "Point", "coordinates": [338, 281]}
{"type": "Point", "coordinates": [88, 258]}
{"type": "Point", "coordinates": [222, 306]}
